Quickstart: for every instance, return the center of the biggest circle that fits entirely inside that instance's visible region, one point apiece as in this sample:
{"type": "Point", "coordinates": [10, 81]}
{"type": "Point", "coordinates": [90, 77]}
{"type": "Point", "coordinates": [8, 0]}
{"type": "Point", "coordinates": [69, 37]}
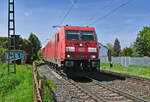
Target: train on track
{"type": "Point", "coordinates": [73, 50]}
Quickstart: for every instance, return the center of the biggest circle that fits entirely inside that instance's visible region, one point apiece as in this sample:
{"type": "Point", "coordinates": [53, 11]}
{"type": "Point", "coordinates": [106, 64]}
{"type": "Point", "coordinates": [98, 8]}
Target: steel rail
{"type": "Point", "coordinates": [65, 78]}
{"type": "Point", "coordinates": [120, 92]}
{"type": "Point", "coordinates": [97, 98]}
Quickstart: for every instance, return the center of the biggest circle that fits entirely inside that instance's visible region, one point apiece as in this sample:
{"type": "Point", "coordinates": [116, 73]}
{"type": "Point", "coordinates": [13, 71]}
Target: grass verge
{"type": "Point", "coordinates": [141, 71]}
{"type": "Point", "coordinates": [16, 87]}
{"type": "Point", "coordinates": [48, 88]}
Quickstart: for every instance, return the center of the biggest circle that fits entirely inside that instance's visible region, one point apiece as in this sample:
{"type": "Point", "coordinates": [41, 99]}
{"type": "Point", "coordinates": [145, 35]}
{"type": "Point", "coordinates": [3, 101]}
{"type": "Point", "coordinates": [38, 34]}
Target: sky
{"type": "Point", "coordinates": [38, 17]}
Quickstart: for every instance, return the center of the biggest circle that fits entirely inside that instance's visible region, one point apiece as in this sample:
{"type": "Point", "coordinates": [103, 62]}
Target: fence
{"type": "Point", "coordinates": [37, 85]}
{"type": "Point", "coordinates": [126, 61]}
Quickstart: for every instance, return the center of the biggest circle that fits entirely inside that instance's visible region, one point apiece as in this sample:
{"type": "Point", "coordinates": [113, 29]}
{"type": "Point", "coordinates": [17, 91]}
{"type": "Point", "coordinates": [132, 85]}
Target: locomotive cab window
{"type": "Point", "coordinates": [80, 35]}
{"type": "Point", "coordinates": [87, 35]}
{"type": "Point", "coordinates": [72, 35]}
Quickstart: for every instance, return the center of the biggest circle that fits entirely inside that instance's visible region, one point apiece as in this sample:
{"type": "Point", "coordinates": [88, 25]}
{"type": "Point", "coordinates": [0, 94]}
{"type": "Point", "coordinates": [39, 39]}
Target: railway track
{"type": "Point", "coordinates": [95, 91]}
{"type": "Point", "coordinates": [143, 81]}
{"type": "Point", "coordinates": [131, 84]}
{"type": "Point", "coordinates": [110, 94]}
{"type": "Point", "coordinates": [82, 94]}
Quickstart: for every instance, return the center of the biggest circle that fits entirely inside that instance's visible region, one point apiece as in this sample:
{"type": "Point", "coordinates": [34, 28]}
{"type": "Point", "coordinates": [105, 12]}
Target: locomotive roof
{"type": "Point", "coordinates": [78, 28]}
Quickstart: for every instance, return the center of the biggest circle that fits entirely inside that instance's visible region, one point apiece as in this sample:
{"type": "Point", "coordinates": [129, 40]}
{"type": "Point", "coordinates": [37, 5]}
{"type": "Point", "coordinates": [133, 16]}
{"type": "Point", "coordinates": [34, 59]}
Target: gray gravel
{"type": "Point", "coordinates": [64, 92]}
{"type": "Point", "coordinates": [133, 87]}
{"type": "Point", "coordinates": [67, 93]}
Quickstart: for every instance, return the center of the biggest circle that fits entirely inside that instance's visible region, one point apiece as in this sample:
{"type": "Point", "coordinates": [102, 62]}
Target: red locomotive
{"type": "Point", "coordinates": [73, 50]}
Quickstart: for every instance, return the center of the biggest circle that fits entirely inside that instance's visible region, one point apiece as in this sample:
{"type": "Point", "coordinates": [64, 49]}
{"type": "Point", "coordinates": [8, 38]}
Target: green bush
{"type": "Point", "coordinates": [19, 86]}
{"type": "Point", "coordinates": [2, 52]}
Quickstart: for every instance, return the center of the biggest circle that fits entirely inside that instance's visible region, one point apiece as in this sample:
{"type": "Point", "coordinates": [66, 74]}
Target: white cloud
{"type": "Point", "coordinates": [27, 14]}
{"type": "Point", "coordinates": [128, 21]}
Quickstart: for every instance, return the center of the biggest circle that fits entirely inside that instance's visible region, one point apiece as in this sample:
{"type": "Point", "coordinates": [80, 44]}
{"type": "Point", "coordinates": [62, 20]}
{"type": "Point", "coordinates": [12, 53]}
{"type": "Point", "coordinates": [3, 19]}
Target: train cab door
{"type": "Point", "coordinates": [58, 45]}
{"type": "Point", "coordinates": [57, 50]}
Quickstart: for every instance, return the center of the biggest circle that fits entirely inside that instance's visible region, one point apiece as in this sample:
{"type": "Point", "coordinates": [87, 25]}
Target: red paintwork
{"type": "Point", "coordinates": [57, 49]}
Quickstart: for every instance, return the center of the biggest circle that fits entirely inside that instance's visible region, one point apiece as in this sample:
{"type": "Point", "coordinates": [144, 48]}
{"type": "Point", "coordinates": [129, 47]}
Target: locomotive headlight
{"type": "Point", "coordinates": [91, 49]}
{"type": "Point", "coordinates": [68, 56]}
{"type": "Point", "coordinates": [93, 56]}
{"type": "Point", "coordinates": [70, 49]}
{"type": "Point", "coordinates": [80, 44]}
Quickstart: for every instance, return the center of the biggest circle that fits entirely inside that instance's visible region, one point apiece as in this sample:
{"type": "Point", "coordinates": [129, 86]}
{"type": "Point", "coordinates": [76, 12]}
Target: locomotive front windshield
{"type": "Point", "coordinates": [80, 35]}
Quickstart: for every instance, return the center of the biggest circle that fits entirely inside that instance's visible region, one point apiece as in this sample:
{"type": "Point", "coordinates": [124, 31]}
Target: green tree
{"type": "Point", "coordinates": [4, 42]}
{"type": "Point", "coordinates": [3, 46]}
{"type": "Point", "coordinates": [143, 42]}
{"type": "Point", "coordinates": [117, 48]}
{"type": "Point", "coordinates": [31, 47]}
{"type": "Point", "coordinates": [110, 47]}
{"type": "Point", "coordinates": [127, 52]}
{"type": "Point", "coordinates": [2, 52]}
{"type": "Point", "coordinates": [134, 50]}
{"type": "Point", "coordinates": [26, 46]}
{"type": "Point", "coordinates": [36, 46]}
{"type": "Point", "coordinates": [40, 54]}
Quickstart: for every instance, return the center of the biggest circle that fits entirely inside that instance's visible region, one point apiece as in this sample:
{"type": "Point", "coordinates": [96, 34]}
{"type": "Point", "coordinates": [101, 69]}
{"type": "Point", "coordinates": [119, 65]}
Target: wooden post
{"type": "Point", "coordinates": [34, 90]}
{"type": "Point", "coordinates": [41, 87]}
{"type": "Point", "coordinates": [35, 98]}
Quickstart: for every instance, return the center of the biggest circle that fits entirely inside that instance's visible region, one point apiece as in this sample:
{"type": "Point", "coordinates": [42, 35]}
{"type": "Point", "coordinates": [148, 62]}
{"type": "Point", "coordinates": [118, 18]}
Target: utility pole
{"type": "Point", "coordinates": [11, 36]}
{"type": "Point", "coordinates": [108, 54]}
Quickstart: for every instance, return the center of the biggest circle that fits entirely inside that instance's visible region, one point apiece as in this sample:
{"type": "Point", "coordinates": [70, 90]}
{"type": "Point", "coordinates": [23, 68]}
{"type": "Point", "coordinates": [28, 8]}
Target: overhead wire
{"type": "Point", "coordinates": [65, 16]}
{"type": "Point", "coordinates": [110, 12]}
{"type": "Point", "coordinates": [68, 11]}
{"type": "Point", "coordinates": [100, 18]}
{"type": "Point", "coordinates": [105, 6]}
{"type": "Point", "coordinates": [53, 31]}
{"type": "Point", "coordinates": [108, 5]}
